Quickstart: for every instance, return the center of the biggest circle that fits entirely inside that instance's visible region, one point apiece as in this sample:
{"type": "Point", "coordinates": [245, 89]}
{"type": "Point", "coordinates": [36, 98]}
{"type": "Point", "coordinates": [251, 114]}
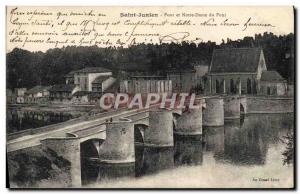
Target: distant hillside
{"type": "Point", "coordinates": [27, 69]}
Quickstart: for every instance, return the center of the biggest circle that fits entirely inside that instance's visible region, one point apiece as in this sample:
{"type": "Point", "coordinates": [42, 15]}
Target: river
{"type": "Point", "coordinates": [244, 153]}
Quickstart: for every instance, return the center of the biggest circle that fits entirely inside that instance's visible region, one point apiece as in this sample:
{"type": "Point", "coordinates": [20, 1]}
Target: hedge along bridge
{"type": "Point", "coordinates": [114, 141]}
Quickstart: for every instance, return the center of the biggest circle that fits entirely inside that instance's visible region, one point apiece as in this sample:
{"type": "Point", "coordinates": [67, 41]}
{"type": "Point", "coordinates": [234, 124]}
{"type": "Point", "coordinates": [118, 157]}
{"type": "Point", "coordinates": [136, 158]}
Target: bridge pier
{"type": "Point", "coordinates": [118, 146]}
{"type": "Point", "coordinates": [189, 123]}
{"type": "Point", "coordinates": [213, 114]}
{"type": "Point", "coordinates": [160, 130]}
{"type": "Point", "coordinates": [231, 107]}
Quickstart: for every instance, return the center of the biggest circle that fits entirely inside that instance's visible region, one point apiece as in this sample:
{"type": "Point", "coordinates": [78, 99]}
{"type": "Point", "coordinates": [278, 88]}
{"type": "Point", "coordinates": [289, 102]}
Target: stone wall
{"type": "Point", "coordinates": [69, 149]}
{"type": "Point", "coordinates": [270, 104]}
{"type": "Point", "coordinates": [273, 88]}
{"type": "Point", "coordinates": [237, 79]}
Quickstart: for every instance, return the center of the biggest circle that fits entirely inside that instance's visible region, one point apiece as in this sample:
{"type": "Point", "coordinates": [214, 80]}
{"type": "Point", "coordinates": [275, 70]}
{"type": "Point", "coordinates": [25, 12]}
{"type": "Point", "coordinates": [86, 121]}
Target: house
{"type": "Point", "coordinates": [271, 83]}
{"type": "Point", "coordinates": [146, 84]}
{"type": "Point", "coordinates": [236, 71]}
{"type": "Point", "coordinates": [62, 93]}
{"type": "Point", "coordinates": [10, 97]}
{"type": "Point", "coordinates": [70, 77]}
{"type": "Point", "coordinates": [20, 93]}
{"type": "Point", "coordinates": [102, 83]}
{"type": "Point", "coordinates": [84, 78]}
{"type": "Point", "coordinates": [182, 80]}
{"type": "Point", "coordinates": [37, 94]}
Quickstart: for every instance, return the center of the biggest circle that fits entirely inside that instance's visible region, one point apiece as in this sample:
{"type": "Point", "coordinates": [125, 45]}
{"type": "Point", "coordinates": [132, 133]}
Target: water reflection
{"type": "Point", "coordinates": [188, 150]}
{"type": "Point", "coordinates": [153, 159]}
{"type": "Point", "coordinates": [244, 141]}
{"type": "Point", "coordinates": [243, 145]}
{"type": "Point", "coordinates": [110, 171]}
{"type": "Point", "coordinates": [18, 119]}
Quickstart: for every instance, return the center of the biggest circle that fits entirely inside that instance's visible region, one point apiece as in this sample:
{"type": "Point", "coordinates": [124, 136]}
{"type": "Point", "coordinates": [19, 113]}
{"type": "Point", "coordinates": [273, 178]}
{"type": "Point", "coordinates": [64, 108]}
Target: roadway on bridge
{"type": "Point", "coordinates": [34, 140]}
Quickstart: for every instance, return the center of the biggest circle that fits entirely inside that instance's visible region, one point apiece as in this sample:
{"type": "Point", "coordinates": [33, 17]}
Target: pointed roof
{"type": "Point", "coordinates": [233, 60]}
{"type": "Point", "coordinates": [272, 76]}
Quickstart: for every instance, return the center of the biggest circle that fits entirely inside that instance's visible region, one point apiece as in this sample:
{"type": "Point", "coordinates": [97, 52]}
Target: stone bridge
{"type": "Point", "coordinates": [114, 142]}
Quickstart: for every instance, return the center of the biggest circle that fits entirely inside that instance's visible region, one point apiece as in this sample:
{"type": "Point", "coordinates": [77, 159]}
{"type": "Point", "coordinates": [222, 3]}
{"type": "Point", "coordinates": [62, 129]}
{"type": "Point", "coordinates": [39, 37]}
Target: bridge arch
{"type": "Point", "coordinates": [89, 150]}
{"type": "Point", "coordinates": [139, 130]}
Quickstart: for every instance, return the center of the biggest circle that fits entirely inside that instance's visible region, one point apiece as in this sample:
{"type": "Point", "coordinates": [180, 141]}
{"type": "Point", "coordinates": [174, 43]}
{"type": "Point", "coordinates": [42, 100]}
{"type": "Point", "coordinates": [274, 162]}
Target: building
{"type": "Point", "coordinates": [271, 83]}
{"type": "Point", "coordinates": [20, 94]}
{"type": "Point", "coordinates": [10, 96]}
{"type": "Point", "coordinates": [62, 93]}
{"type": "Point", "coordinates": [70, 77]}
{"type": "Point", "coordinates": [146, 84]}
{"type": "Point", "coordinates": [182, 80]}
{"type": "Point", "coordinates": [236, 71]}
{"type": "Point", "coordinates": [102, 83]}
{"type": "Point", "coordinates": [37, 94]}
{"type": "Point", "coordinates": [84, 78]}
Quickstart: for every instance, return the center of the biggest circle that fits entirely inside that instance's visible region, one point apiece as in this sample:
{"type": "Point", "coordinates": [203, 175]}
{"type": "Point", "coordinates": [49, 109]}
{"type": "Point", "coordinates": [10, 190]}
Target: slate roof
{"type": "Point", "coordinates": [272, 76]}
{"type": "Point", "coordinates": [37, 89]}
{"type": "Point", "coordinates": [100, 79]}
{"type": "Point", "coordinates": [242, 60]}
{"type": "Point", "coordinates": [63, 88]}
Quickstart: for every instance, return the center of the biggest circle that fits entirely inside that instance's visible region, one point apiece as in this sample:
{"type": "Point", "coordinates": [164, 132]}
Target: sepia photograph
{"type": "Point", "coordinates": [150, 97]}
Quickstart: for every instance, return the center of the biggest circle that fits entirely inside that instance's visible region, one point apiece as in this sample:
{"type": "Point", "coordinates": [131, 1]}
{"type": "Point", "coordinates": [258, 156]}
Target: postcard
{"type": "Point", "coordinates": [173, 97]}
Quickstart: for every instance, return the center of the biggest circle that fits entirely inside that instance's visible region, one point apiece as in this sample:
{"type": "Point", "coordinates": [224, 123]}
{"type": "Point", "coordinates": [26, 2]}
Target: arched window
{"type": "Point", "coordinates": [268, 90]}
{"type": "Point", "coordinates": [232, 87]}
{"type": "Point", "coordinates": [249, 88]}
{"type": "Point", "coordinates": [217, 86]}
{"type": "Point", "coordinates": [254, 87]}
